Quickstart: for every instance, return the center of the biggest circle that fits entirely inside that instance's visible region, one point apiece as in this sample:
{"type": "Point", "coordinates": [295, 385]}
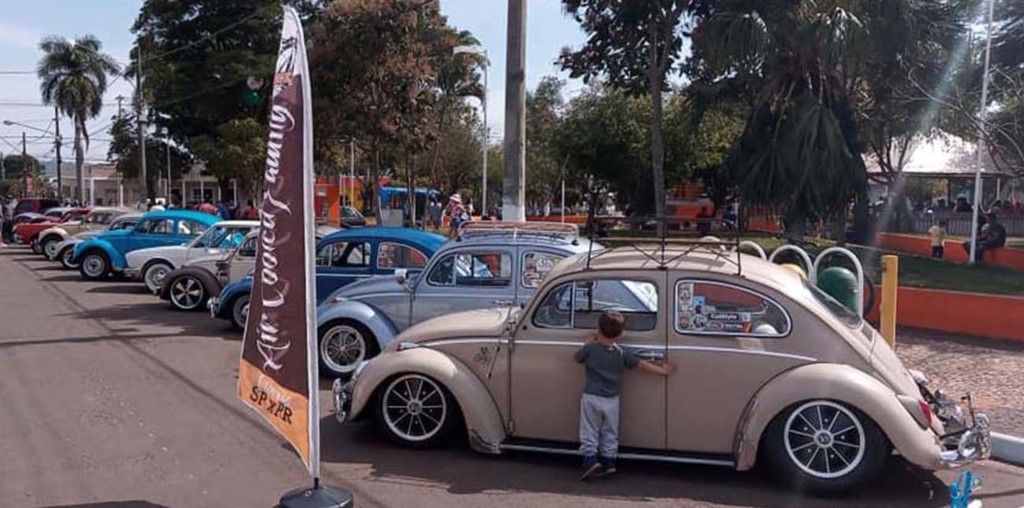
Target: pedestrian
{"type": "Point", "coordinates": [938, 235]}
{"type": "Point", "coordinates": [223, 210]}
{"type": "Point", "coordinates": [456, 215]}
{"type": "Point", "coordinates": [991, 236]}
{"type": "Point", "coordinates": [250, 212]}
{"type": "Point", "coordinates": [434, 213]}
{"type": "Point", "coordinates": [207, 207]}
{"type": "Point", "coordinates": [604, 363]}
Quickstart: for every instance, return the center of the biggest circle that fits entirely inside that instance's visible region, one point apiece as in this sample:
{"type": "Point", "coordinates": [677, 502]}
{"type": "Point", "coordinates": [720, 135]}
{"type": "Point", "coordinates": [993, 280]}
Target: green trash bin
{"type": "Point", "coordinates": [841, 284]}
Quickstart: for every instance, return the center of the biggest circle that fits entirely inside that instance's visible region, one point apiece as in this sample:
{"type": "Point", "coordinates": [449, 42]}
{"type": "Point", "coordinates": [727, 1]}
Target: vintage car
{"type": "Point", "coordinates": [28, 233]}
{"type": "Point", "coordinates": [96, 220]}
{"type": "Point", "coordinates": [343, 257]}
{"type": "Point", "coordinates": [105, 253]}
{"type": "Point", "coordinates": [492, 264]}
{"type": "Point", "coordinates": [188, 286]}
{"type": "Point", "coordinates": [67, 247]}
{"type": "Point", "coordinates": [151, 265]}
{"type": "Point", "coordinates": [770, 370]}
{"type": "Point", "coordinates": [35, 205]}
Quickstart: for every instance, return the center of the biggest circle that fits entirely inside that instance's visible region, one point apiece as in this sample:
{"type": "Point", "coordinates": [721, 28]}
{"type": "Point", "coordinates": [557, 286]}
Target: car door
{"type": "Point", "coordinates": [546, 381]}
{"type": "Point", "coordinates": [470, 279]}
{"type": "Point", "coordinates": [153, 233]}
{"type": "Point", "coordinates": [726, 335]}
{"type": "Point", "coordinates": [243, 261]}
{"type": "Point", "coordinates": [339, 262]}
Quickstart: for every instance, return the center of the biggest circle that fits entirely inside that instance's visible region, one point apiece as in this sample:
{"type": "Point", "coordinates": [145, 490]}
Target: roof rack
{"type": "Point", "coordinates": [553, 230]}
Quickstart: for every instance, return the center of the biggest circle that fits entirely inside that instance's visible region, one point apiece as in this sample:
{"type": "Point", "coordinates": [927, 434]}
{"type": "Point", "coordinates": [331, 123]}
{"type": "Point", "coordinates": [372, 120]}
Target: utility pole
{"type": "Point", "coordinates": [143, 181]}
{"type": "Point", "coordinates": [119, 98]}
{"type": "Point", "coordinates": [515, 114]}
{"type": "Point", "coordinates": [24, 166]}
{"type": "Point", "coordinates": [56, 145]}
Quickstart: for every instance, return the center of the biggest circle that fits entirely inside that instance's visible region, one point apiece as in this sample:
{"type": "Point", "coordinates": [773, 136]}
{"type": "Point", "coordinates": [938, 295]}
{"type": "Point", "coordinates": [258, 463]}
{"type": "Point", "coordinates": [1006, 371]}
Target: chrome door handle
{"type": "Point", "coordinates": [502, 303]}
{"type": "Point", "coordinates": [650, 355]}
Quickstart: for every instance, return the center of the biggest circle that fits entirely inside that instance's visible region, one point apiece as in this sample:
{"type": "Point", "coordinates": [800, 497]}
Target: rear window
{"type": "Point", "coordinates": [838, 310]}
{"type": "Point", "coordinates": [717, 308]}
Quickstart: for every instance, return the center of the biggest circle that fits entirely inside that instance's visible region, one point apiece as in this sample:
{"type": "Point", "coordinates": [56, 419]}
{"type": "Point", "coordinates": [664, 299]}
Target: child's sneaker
{"type": "Point", "coordinates": [590, 467]}
{"type": "Point", "coordinates": [608, 467]}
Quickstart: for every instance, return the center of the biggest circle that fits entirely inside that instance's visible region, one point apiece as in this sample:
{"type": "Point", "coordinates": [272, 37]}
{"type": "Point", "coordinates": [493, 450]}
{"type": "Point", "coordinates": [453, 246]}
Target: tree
{"type": "Point", "coordinates": [14, 166]}
{"type": "Point", "coordinates": [124, 152]}
{"type": "Point", "coordinates": [378, 60]}
{"type": "Point", "coordinates": [545, 160]}
{"type": "Point", "coordinates": [632, 45]}
{"type": "Point", "coordinates": [238, 151]}
{"type": "Point", "coordinates": [73, 77]}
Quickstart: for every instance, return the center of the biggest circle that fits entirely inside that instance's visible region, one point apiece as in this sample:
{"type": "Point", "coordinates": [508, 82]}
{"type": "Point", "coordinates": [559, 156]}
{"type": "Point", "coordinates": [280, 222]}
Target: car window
{"type": "Point", "coordinates": [221, 237]}
{"type": "Point", "coordinates": [191, 228]}
{"type": "Point", "coordinates": [248, 248]}
{"type": "Point", "coordinates": [579, 304]}
{"type": "Point", "coordinates": [98, 218]}
{"type": "Point", "coordinates": [717, 308]}
{"type": "Point", "coordinates": [156, 226]}
{"type": "Point", "coordinates": [536, 266]}
{"type": "Point", "coordinates": [394, 255]}
{"type": "Point", "coordinates": [124, 224]}
{"type": "Point", "coordinates": [847, 316]}
{"type": "Point", "coordinates": [473, 269]}
{"type": "Point", "coordinates": [344, 255]}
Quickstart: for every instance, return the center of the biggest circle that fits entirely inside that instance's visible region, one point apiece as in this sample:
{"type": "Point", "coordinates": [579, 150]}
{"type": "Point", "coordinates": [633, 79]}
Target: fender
{"type": "Point", "coordinates": [378, 323]}
{"type": "Point", "coordinates": [117, 261]}
{"type": "Point", "coordinates": [206, 278]}
{"type": "Point", "coordinates": [483, 420]}
{"type": "Point", "coordinates": [56, 230]}
{"type": "Point", "coordinates": [841, 383]}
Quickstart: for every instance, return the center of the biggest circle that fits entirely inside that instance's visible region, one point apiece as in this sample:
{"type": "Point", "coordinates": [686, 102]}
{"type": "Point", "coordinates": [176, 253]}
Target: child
{"type": "Point", "coordinates": [938, 234]}
{"type": "Point", "coordinates": [605, 362]}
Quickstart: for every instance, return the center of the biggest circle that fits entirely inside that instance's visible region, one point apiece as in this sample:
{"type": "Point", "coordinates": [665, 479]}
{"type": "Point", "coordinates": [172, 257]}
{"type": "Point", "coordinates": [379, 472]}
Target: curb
{"type": "Point", "coordinates": [1006, 448]}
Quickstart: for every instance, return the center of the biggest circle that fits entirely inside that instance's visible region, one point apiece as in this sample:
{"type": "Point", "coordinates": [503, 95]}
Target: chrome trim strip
{"type": "Point", "coordinates": [741, 351]}
{"type": "Point", "coordinates": [449, 342]}
{"type": "Point", "coordinates": [628, 456]}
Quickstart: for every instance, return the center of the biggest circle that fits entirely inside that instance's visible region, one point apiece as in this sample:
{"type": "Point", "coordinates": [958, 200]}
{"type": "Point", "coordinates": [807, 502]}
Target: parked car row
{"type": "Point", "coordinates": [426, 335]}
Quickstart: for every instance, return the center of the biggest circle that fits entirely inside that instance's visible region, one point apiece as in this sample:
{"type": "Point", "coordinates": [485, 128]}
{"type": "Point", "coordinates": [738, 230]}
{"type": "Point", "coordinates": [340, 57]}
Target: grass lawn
{"type": "Point", "coordinates": [915, 271]}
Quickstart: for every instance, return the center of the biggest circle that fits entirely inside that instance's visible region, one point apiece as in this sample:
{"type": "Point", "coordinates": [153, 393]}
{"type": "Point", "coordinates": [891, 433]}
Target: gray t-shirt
{"type": "Point", "coordinates": [604, 367]}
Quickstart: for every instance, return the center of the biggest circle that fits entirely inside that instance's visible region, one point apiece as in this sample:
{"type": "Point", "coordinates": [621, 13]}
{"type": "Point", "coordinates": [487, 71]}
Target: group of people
{"type": "Point", "coordinates": [991, 235]}
{"type": "Point", "coordinates": [225, 209]}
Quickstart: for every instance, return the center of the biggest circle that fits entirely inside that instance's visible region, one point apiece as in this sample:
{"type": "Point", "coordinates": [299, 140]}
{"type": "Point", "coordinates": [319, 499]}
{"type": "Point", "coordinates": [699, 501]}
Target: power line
{"type": "Point", "coordinates": [16, 73]}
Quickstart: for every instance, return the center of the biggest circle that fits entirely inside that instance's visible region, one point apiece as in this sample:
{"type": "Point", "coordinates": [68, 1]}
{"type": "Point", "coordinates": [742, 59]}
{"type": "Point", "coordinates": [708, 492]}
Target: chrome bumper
{"type": "Point", "coordinates": [131, 273]}
{"type": "Point", "coordinates": [213, 305]}
{"type": "Point", "coordinates": [341, 392]}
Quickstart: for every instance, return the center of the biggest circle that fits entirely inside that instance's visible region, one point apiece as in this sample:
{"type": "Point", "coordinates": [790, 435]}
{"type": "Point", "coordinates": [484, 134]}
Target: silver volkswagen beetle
{"type": "Point", "coordinates": [491, 264]}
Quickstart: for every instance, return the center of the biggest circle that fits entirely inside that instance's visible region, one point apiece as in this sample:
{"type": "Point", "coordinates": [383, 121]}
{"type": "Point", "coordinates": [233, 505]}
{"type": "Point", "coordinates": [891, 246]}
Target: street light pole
{"type": "Point", "coordinates": [982, 114]}
{"type": "Point", "coordinates": [513, 194]}
{"type": "Point", "coordinates": [56, 144]}
{"type": "Point", "coordinates": [140, 123]}
{"type": "Point", "coordinates": [24, 166]}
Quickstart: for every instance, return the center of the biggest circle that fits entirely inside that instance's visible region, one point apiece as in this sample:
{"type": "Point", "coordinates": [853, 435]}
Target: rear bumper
{"type": "Point", "coordinates": [967, 446]}
{"type": "Point", "coordinates": [341, 397]}
{"type": "Point", "coordinates": [213, 305]}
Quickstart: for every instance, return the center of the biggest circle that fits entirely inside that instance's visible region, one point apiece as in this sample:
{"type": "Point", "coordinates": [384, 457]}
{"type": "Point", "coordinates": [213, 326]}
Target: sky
{"type": "Point", "coordinates": [21, 28]}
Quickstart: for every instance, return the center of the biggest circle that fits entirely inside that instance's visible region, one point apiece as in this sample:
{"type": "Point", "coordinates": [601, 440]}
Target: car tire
{"type": "Point", "coordinates": [94, 265]}
{"type": "Point", "coordinates": [828, 454]}
{"type": "Point", "coordinates": [48, 246]}
{"type": "Point", "coordinates": [415, 411]}
{"type": "Point", "coordinates": [34, 244]}
{"type": "Point", "coordinates": [154, 273]}
{"type": "Point", "coordinates": [65, 258]}
{"type": "Point", "coordinates": [239, 312]}
{"type": "Point", "coordinates": [342, 344]}
{"type": "Point", "coordinates": [189, 291]}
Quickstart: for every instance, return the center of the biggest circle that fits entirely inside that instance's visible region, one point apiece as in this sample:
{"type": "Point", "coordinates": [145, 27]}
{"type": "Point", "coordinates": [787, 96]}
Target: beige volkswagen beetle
{"type": "Point", "coordinates": [770, 369]}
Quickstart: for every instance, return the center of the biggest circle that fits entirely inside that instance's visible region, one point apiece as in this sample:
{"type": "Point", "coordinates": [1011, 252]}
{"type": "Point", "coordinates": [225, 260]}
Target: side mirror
{"type": "Point", "coordinates": [401, 275]}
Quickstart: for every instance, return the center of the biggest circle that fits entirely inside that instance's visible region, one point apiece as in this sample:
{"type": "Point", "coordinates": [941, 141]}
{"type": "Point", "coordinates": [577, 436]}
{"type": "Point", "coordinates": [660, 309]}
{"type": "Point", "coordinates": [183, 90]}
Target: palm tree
{"type": "Point", "coordinates": [73, 77]}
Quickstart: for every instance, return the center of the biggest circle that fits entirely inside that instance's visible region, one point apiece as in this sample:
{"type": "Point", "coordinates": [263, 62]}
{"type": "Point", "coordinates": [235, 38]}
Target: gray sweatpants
{"type": "Point", "coordinates": [599, 425]}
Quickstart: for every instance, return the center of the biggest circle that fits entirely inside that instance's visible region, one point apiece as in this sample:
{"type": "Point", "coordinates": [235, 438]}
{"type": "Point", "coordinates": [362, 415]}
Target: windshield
{"type": "Point", "coordinates": [221, 237]}
{"type": "Point", "coordinates": [838, 310]}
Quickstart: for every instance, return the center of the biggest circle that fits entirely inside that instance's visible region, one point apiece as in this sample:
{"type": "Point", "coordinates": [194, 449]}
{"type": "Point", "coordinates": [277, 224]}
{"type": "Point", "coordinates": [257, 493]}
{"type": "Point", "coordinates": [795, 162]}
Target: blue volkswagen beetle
{"type": "Point", "coordinates": [341, 258]}
{"type": "Point", "coordinates": [104, 254]}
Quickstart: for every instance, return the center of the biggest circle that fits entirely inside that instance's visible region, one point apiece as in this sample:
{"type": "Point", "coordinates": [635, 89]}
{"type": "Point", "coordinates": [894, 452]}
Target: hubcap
{"type": "Point", "coordinates": [343, 348]}
{"type": "Point", "coordinates": [824, 439]}
{"type": "Point", "coordinates": [93, 265]}
{"type": "Point", "coordinates": [155, 276]}
{"type": "Point", "coordinates": [187, 293]}
{"type": "Point", "coordinates": [66, 258]}
{"type": "Point", "coordinates": [414, 408]}
{"type": "Point", "coordinates": [50, 249]}
{"type": "Point", "coordinates": [241, 313]}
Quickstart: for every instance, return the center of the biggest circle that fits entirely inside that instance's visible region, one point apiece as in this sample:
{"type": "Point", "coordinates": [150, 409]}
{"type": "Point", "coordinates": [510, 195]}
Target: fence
{"type": "Point", "coordinates": [960, 223]}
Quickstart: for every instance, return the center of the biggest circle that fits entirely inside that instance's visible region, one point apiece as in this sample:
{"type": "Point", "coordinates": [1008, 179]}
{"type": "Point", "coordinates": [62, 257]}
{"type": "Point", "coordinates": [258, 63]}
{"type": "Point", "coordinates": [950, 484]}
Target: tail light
{"type": "Point", "coordinates": [926, 411]}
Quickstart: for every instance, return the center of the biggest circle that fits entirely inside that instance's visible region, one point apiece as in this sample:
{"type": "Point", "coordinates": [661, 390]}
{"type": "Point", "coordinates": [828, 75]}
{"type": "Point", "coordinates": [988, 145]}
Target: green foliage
{"type": "Point", "coordinates": [237, 151]}
{"type": "Point", "coordinates": [123, 152]}
{"type": "Point", "coordinates": [544, 157]}
{"type": "Point", "coordinates": [15, 164]}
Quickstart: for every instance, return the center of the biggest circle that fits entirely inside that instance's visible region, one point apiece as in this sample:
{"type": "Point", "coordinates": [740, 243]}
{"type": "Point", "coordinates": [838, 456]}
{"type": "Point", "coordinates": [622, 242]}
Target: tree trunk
{"type": "Point", "coordinates": [658, 155]}
{"type": "Point", "coordinates": [375, 185]}
{"type": "Point", "coordinates": [79, 162]}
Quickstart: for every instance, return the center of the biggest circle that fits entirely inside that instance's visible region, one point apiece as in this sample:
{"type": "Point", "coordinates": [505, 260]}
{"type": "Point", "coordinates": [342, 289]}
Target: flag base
{"type": "Point", "coordinates": [320, 496]}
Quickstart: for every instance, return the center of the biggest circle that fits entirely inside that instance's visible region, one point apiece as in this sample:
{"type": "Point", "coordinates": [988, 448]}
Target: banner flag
{"type": "Point", "coordinates": [277, 374]}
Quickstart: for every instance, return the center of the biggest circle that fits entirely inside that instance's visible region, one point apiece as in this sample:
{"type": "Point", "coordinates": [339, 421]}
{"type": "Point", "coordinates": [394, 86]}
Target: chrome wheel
{"type": "Point", "coordinates": [824, 439]}
{"type": "Point", "coordinates": [342, 348]}
{"type": "Point", "coordinates": [187, 293]}
{"type": "Point", "coordinates": [50, 249]}
{"type": "Point", "coordinates": [240, 312]}
{"type": "Point", "coordinates": [155, 275]}
{"type": "Point", "coordinates": [94, 266]}
{"type": "Point", "coordinates": [414, 408]}
{"type": "Point", "coordinates": [65, 258]}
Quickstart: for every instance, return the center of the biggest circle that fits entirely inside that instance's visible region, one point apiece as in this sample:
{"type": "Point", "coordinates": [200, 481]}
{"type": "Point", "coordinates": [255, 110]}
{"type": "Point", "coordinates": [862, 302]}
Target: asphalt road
{"type": "Point", "coordinates": [110, 399]}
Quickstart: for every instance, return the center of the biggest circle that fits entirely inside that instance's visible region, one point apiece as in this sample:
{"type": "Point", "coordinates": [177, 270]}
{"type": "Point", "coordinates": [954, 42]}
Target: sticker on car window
{"type": "Point", "coordinates": [536, 266]}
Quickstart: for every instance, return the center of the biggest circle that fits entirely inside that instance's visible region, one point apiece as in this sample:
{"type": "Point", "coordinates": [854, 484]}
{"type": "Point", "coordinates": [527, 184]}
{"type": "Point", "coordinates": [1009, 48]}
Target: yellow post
{"type": "Point", "coordinates": [890, 283]}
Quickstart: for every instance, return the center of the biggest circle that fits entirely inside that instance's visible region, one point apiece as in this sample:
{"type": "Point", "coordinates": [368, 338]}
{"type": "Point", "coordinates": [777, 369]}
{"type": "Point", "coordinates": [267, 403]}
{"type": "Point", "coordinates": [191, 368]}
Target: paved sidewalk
{"type": "Point", "coordinates": [992, 369]}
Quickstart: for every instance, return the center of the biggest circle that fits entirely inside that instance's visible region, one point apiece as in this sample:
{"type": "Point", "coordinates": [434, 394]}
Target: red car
{"type": "Point", "coordinates": [28, 233]}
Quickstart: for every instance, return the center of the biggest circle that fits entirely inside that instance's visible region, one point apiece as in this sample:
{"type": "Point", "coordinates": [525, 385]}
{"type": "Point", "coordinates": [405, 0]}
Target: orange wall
{"type": "Point", "coordinates": [976, 314]}
{"type": "Point", "coordinates": [954, 251]}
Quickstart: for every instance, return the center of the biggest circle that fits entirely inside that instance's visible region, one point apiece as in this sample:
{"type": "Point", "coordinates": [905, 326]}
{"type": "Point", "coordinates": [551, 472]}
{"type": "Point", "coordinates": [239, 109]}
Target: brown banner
{"type": "Point", "coordinates": [277, 373]}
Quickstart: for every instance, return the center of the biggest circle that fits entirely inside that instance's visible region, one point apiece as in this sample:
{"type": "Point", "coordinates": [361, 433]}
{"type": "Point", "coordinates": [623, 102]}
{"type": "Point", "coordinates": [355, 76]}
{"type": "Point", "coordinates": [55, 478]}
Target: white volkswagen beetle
{"type": "Point", "coordinates": [153, 264]}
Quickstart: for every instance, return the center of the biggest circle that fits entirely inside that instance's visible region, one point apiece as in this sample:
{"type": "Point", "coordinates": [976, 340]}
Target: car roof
{"type": "Point", "coordinates": [229, 223]}
{"type": "Point", "coordinates": [200, 217]}
{"type": "Point", "coordinates": [712, 260]}
{"type": "Point", "coordinates": [572, 246]}
{"type": "Point", "coordinates": [432, 241]}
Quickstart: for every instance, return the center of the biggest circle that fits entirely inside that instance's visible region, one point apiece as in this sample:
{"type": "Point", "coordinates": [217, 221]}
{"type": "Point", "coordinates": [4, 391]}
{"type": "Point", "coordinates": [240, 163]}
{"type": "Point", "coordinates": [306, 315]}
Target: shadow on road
{"type": "Point", "coordinates": [135, 288]}
{"type": "Point", "coordinates": [113, 504]}
{"type": "Point", "coordinates": [462, 471]}
{"type": "Point", "coordinates": [126, 320]}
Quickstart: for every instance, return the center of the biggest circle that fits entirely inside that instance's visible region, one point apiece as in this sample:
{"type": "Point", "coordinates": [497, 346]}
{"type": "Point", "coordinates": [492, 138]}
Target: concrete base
{"type": "Point", "coordinates": [1007, 448]}
{"type": "Point", "coordinates": [320, 497]}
